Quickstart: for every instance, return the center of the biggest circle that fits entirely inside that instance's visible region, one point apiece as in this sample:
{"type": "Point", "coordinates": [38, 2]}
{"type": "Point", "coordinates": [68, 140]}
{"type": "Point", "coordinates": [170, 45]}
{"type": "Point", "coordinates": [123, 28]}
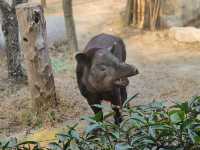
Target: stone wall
{"type": "Point", "coordinates": [180, 13]}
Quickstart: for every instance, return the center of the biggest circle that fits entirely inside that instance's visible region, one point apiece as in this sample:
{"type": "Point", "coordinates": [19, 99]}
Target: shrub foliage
{"type": "Point", "coordinates": [145, 127]}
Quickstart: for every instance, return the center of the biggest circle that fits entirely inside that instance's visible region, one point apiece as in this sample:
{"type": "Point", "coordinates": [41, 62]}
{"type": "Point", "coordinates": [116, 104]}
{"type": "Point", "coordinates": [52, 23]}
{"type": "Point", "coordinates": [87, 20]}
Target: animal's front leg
{"type": "Point", "coordinates": [92, 100]}
{"type": "Point", "coordinates": [116, 105]}
{"type": "Point", "coordinates": [123, 94]}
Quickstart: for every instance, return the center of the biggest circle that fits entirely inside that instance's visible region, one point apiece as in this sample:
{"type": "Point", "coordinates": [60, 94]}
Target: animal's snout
{"type": "Point", "coordinates": [131, 70]}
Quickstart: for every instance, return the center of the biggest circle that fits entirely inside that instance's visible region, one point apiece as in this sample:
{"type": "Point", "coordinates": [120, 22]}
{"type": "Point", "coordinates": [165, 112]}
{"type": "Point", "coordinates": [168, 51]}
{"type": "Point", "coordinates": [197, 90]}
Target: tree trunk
{"type": "Point", "coordinates": [140, 13]}
{"type": "Point", "coordinates": [143, 13]}
{"type": "Point", "coordinates": [11, 35]}
{"type": "Point", "coordinates": [154, 13]}
{"type": "Point", "coordinates": [44, 3]}
{"type": "Point", "coordinates": [129, 12]}
{"type": "Point", "coordinates": [72, 44]}
{"type": "Point", "coordinates": [40, 77]}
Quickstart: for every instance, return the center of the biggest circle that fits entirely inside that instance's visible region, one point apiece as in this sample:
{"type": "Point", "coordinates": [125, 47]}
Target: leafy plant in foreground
{"type": "Point", "coordinates": [145, 127]}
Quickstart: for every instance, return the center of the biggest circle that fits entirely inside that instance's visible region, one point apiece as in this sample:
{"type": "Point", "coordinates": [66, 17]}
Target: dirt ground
{"type": "Point", "coordinates": [169, 70]}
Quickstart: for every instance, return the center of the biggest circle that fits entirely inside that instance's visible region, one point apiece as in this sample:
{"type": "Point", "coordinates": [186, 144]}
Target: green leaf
{"type": "Point", "coordinates": [12, 142]}
{"type": "Point", "coordinates": [158, 105]}
{"type": "Point", "coordinates": [138, 120]}
{"type": "Point", "coordinates": [187, 123]}
{"type": "Point", "coordinates": [115, 135]}
{"type": "Point", "coordinates": [75, 135]}
{"type": "Point", "coordinates": [89, 119]}
{"type": "Point", "coordinates": [92, 128]}
{"type": "Point", "coordinates": [152, 132]}
{"type": "Point", "coordinates": [176, 116]}
{"type": "Point", "coordinates": [159, 126]}
{"type": "Point", "coordinates": [137, 139]}
{"type": "Point", "coordinates": [62, 137]}
{"type": "Point", "coordinates": [195, 104]}
{"type": "Point", "coordinates": [98, 117]}
{"type": "Point", "coordinates": [194, 136]}
{"type": "Point", "coordinates": [74, 146]}
{"type": "Point", "coordinates": [72, 127]}
{"type": "Point", "coordinates": [54, 146]}
{"type": "Point", "coordinates": [198, 117]}
{"type": "Point", "coordinates": [125, 104]}
{"type": "Point", "coordinates": [184, 107]}
{"type": "Point", "coordinates": [5, 145]}
{"type": "Point", "coordinates": [110, 114]}
{"type": "Point", "coordinates": [142, 141]}
{"type": "Point", "coordinates": [148, 141]}
{"type": "Point", "coordinates": [197, 128]}
{"type": "Point", "coordinates": [123, 146]}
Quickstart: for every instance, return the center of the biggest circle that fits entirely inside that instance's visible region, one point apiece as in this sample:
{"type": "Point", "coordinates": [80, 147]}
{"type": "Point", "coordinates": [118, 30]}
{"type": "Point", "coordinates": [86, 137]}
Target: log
{"type": "Point", "coordinates": [33, 33]}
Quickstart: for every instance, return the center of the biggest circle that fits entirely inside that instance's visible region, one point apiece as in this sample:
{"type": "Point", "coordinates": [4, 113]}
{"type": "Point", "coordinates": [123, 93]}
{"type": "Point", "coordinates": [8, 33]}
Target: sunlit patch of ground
{"type": "Point", "coordinates": [47, 135]}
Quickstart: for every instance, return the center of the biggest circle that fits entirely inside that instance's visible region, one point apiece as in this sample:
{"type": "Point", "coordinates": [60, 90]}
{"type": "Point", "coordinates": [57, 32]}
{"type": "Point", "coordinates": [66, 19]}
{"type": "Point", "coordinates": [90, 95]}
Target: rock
{"type": "Point", "coordinates": [178, 13]}
{"type": "Point", "coordinates": [185, 34]}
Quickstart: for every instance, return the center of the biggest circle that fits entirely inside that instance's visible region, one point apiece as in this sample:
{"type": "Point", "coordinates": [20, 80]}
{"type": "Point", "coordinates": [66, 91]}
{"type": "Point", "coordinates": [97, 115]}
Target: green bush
{"type": "Point", "coordinates": [145, 127]}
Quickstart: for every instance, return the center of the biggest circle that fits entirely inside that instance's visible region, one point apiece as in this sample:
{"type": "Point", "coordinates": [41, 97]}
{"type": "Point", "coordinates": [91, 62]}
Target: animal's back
{"type": "Point", "coordinates": [105, 41]}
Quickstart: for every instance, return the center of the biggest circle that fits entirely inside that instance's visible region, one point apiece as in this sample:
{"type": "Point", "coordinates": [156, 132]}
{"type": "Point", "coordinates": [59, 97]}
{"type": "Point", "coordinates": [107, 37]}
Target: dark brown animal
{"type": "Point", "coordinates": [102, 73]}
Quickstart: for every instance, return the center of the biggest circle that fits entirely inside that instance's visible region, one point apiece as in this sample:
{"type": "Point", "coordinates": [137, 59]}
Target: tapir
{"type": "Point", "coordinates": [102, 73]}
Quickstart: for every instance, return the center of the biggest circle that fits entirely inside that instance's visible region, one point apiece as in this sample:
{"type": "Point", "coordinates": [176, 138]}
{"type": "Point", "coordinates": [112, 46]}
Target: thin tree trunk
{"type": "Point", "coordinates": [11, 35]}
{"type": "Point", "coordinates": [44, 3]}
{"type": "Point", "coordinates": [134, 12]}
{"type": "Point", "coordinates": [154, 8]}
{"type": "Point", "coordinates": [129, 12]}
{"type": "Point", "coordinates": [72, 44]}
{"type": "Point", "coordinates": [40, 76]}
{"type": "Point", "coordinates": [143, 13]}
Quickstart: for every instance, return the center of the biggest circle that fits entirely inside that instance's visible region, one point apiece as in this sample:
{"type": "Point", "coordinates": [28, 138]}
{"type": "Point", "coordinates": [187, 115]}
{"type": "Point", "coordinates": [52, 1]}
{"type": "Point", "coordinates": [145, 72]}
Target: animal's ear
{"type": "Point", "coordinates": [112, 48]}
{"type": "Point", "coordinates": [82, 58]}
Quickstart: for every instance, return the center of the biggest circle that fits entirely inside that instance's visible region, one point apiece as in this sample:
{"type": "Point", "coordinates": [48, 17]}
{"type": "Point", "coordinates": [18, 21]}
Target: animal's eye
{"type": "Point", "coordinates": [102, 67]}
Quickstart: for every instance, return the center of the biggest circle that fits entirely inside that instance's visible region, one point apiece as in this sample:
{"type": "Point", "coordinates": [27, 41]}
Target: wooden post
{"type": "Point", "coordinates": [33, 33]}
